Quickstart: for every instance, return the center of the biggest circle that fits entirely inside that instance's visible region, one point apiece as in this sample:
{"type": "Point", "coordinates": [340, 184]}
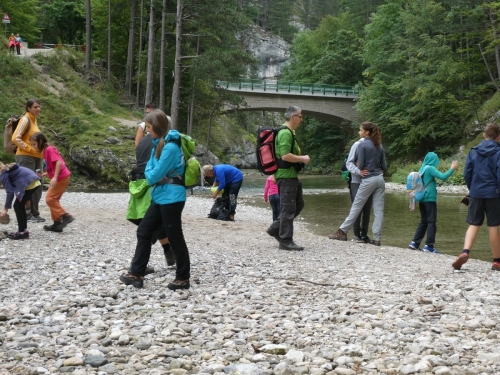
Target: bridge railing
{"type": "Point", "coordinates": [289, 87]}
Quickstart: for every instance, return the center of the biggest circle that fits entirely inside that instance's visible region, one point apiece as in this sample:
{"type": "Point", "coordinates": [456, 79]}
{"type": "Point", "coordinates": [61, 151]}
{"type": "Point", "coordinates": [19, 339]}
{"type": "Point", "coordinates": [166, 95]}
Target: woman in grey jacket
{"type": "Point", "coordinates": [371, 164]}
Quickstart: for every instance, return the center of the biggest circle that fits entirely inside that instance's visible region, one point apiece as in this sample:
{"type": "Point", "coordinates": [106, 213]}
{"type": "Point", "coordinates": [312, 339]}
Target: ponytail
{"type": "Point", "coordinates": [375, 134]}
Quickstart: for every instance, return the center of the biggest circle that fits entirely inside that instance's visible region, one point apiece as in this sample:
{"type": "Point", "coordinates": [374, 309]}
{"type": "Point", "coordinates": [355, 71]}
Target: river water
{"type": "Point", "coordinates": [327, 204]}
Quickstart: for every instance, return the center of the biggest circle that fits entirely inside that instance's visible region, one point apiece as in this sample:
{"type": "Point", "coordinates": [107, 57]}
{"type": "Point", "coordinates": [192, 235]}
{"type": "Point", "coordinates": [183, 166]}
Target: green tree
{"type": "Point", "coordinates": [63, 21]}
{"type": "Point", "coordinates": [414, 80]}
{"type": "Point", "coordinates": [24, 15]}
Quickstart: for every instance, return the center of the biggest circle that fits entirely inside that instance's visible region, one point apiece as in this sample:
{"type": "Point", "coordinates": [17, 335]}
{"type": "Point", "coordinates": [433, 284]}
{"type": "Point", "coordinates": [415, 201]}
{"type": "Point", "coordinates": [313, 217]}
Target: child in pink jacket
{"type": "Point", "coordinates": [271, 194]}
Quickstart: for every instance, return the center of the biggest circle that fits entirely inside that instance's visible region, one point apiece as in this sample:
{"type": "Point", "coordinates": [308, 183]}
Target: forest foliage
{"type": "Point", "coordinates": [423, 67]}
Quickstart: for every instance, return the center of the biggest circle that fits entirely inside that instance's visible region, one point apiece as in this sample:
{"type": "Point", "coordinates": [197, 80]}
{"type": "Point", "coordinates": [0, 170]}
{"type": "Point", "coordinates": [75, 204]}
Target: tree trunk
{"type": "Point", "coordinates": [151, 49]}
{"type": "Point", "coordinates": [130, 51]}
{"type": "Point", "coordinates": [109, 39]}
{"type": "Point", "coordinates": [495, 38]}
{"type": "Point", "coordinates": [161, 101]}
{"type": "Point", "coordinates": [209, 129]}
{"type": "Point", "coordinates": [176, 90]}
{"type": "Point", "coordinates": [487, 67]}
{"type": "Point", "coordinates": [88, 30]}
{"type": "Point", "coordinates": [189, 130]}
{"type": "Point", "coordinates": [139, 57]}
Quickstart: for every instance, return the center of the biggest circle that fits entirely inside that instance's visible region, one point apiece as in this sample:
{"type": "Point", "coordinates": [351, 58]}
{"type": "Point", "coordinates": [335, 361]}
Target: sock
{"type": "Point", "coordinates": [496, 260]}
{"type": "Point", "coordinates": [466, 251]}
{"type": "Point", "coordinates": [166, 247]}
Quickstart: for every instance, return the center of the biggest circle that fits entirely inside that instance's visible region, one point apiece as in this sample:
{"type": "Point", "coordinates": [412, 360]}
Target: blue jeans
{"type": "Point", "coordinates": [274, 200]}
{"type": "Point", "coordinates": [428, 219]}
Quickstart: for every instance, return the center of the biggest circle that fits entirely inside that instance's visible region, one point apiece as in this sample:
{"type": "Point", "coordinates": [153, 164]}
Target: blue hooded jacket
{"type": "Point", "coordinates": [16, 179]}
{"type": "Point", "coordinates": [171, 164]}
{"type": "Point", "coordinates": [430, 173]}
{"type": "Point", "coordinates": [482, 170]}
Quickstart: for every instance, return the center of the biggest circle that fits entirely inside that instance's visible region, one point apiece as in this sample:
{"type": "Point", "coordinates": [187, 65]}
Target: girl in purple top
{"type": "Point", "coordinates": [59, 180]}
{"type": "Point", "coordinates": [19, 183]}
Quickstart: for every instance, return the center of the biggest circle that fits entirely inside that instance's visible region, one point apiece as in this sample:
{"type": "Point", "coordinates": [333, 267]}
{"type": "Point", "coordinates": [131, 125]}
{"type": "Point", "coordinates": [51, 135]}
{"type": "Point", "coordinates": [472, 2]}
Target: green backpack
{"type": "Point", "coordinates": [192, 164]}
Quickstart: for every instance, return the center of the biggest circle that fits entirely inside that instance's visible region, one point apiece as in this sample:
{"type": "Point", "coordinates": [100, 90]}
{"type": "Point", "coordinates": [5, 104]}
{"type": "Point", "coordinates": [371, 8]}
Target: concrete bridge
{"type": "Point", "coordinates": [333, 104]}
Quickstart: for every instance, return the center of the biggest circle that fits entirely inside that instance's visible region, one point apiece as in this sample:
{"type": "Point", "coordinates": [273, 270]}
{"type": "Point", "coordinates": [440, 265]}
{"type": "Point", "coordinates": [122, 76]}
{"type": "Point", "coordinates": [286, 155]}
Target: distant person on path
{"type": "Point", "coordinates": [168, 199]}
{"type": "Point", "coordinates": [289, 186]}
{"type": "Point", "coordinates": [227, 178]}
{"type": "Point", "coordinates": [140, 196]}
{"type": "Point", "coordinates": [12, 44]}
{"type": "Point", "coordinates": [482, 177]}
{"type": "Point", "coordinates": [271, 195]}
{"type": "Point", "coordinates": [19, 41]}
{"type": "Point", "coordinates": [428, 206]}
{"type": "Point", "coordinates": [27, 156]}
{"type": "Point", "coordinates": [360, 226]}
{"type": "Point", "coordinates": [141, 128]}
{"type": "Point", "coordinates": [59, 176]}
{"type": "Point", "coordinates": [371, 164]}
{"type": "Point", "coordinates": [19, 183]}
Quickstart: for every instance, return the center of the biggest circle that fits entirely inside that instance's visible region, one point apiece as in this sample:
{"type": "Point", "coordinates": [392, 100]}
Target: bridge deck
{"type": "Point", "coordinates": [290, 89]}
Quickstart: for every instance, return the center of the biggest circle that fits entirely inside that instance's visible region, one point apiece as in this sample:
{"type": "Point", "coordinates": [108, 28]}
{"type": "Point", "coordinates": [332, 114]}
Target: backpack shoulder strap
{"type": "Point", "coordinates": [422, 176]}
{"type": "Point", "coordinates": [283, 127]}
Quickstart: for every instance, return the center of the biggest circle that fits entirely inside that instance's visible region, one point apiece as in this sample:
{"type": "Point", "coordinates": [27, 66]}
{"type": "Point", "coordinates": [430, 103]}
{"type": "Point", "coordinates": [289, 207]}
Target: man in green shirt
{"type": "Point", "coordinates": [289, 186]}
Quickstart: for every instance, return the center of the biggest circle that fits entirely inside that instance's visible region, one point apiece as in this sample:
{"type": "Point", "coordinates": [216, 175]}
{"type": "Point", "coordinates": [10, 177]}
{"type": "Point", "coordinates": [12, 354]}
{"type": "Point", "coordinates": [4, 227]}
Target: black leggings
{"type": "Point", "coordinates": [22, 218]}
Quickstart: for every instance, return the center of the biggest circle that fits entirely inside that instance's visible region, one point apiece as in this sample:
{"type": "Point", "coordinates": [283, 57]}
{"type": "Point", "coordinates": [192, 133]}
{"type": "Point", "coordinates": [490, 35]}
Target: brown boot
{"type": "Point", "coordinates": [339, 235]}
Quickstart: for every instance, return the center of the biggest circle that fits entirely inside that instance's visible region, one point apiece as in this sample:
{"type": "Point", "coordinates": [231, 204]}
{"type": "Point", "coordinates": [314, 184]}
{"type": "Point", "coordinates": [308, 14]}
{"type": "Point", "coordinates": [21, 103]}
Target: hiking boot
{"type": "Point", "coordinates": [178, 284]}
{"type": "Point", "coordinates": [414, 246]}
{"type": "Point", "coordinates": [375, 242]}
{"type": "Point", "coordinates": [495, 266]}
{"type": "Point", "coordinates": [292, 246]}
{"type": "Point", "coordinates": [430, 249]}
{"type": "Point", "coordinates": [339, 235]}
{"type": "Point", "coordinates": [273, 233]}
{"type": "Point", "coordinates": [56, 227]}
{"type": "Point", "coordinates": [19, 235]}
{"type": "Point", "coordinates": [36, 219]}
{"type": "Point", "coordinates": [357, 239]}
{"type": "Point", "coordinates": [366, 239]}
{"type": "Point", "coordinates": [460, 261]}
{"type": "Point", "coordinates": [66, 219]}
{"type": "Point", "coordinates": [169, 257]}
{"type": "Point", "coordinates": [135, 281]}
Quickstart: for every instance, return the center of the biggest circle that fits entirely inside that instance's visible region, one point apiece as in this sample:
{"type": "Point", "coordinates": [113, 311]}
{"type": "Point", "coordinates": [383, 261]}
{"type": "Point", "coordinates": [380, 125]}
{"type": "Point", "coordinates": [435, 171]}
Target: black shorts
{"type": "Point", "coordinates": [478, 207]}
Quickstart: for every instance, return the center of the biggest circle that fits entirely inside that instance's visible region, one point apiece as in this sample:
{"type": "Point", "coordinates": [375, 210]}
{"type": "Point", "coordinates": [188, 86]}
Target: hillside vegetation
{"type": "Point", "coordinates": [82, 115]}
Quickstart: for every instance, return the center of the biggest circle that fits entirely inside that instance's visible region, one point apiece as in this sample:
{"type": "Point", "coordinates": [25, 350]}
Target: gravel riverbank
{"type": "Point", "coordinates": [335, 308]}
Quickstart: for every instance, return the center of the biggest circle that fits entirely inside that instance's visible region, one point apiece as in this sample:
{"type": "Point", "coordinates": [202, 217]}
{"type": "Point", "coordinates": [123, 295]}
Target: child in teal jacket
{"type": "Point", "coordinates": [428, 207]}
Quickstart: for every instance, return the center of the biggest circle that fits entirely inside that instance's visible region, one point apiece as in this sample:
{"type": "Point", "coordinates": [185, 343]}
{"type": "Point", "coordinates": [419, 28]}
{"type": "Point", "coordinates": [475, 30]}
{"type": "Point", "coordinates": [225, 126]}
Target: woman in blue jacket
{"type": "Point", "coordinates": [163, 173]}
{"type": "Point", "coordinates": [19, 183]}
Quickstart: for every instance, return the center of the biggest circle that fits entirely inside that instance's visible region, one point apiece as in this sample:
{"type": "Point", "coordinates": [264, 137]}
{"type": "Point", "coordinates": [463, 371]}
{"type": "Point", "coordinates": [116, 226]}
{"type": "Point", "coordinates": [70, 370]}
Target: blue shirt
{"type": "Point", "coordinates": [226, 174]}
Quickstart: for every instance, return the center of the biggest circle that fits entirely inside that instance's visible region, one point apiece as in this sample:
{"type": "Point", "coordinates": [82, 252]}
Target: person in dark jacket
{"type": "Point", "coordinates": [19, 183]}
{"type": "Point", "coordinates": [482, 177]}
{"type": "Point", "coordinates": [371, 164]}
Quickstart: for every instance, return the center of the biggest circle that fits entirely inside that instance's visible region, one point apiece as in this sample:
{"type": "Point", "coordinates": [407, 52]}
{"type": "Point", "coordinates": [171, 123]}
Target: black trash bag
{"type": "Point", "coordinates": [220, 209]}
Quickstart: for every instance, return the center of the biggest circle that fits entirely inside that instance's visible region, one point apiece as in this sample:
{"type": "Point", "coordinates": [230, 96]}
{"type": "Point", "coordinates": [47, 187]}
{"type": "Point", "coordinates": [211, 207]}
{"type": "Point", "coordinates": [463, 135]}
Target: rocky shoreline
{"type": "Point", "coordinates": [335, 308]}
